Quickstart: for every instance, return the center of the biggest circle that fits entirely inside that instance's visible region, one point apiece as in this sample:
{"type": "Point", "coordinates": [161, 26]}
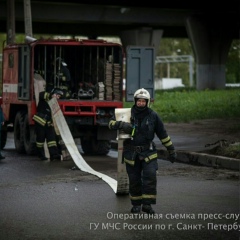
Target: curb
{"type": "Point", "coordinates": [198, 158]}
{"type": "Point", "coordinates": [204, 159]}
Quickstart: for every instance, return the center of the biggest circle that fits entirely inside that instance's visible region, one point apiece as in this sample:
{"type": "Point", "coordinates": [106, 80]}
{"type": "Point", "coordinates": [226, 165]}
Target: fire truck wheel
{"type": "Point", "coordinates": [3, 136]}
{"type": "Point", "coordinates": [86, 146]}
{"type": "Point", "coordinates": [102, 147]}
{"type": "Point", "coordinates": [29, 137]}
{"type": "Point", "coordinates": [18, 132]}
{"type": "Point", "coordinates": [95, 147]}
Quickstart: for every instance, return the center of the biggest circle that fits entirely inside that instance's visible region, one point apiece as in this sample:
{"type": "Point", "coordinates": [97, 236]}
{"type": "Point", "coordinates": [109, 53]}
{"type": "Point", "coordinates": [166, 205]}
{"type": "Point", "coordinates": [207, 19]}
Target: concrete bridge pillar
{"type": "Point", "coordinates": [141, 37]}
{"type": "Point", "coordinates": [211, 40]}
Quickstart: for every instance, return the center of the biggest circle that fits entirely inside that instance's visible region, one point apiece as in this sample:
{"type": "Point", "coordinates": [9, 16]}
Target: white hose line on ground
{"type": "Point", "coordinates": [71, 146]}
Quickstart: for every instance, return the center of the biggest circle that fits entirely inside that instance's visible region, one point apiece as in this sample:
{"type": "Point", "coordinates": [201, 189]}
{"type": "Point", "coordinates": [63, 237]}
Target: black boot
{"type": "Point", "coordinates": [136, 209]}
{"type": "Point", "coordinates": [41, 154]}
{"type": "Point", "coordinates": [44, 158]}
{"type": "Point", "coordinates": [1, 157]}
{"type": "Point", "coordinates": [148, 209]}
{"type": "Point", "coordinates": [56, 157]}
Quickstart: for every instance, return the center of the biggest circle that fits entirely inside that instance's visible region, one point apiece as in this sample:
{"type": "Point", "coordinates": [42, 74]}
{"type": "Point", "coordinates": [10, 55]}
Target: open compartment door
{"type": "Point", "coordinates": [140, 64]}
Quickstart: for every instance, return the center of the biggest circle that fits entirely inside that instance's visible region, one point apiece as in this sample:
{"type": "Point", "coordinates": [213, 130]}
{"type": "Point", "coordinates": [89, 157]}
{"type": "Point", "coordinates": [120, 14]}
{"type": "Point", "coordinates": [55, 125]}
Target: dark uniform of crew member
{"type": "Point", "coordinates": [44, 125]}
{"type": "Point", "coordinates": [65, 80]}
{"type": "Point", "coordinates": [140, 153]}
{"type": "Point", "coordinates": [60, 78]}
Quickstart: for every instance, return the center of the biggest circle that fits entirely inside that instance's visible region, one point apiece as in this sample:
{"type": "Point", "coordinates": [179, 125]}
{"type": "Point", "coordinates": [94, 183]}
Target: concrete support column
{"type": "Point", "coordinates": [28, 18]}
{"type": "Point", "coordinates": [141, 37]}
{"type": "Point", "coordinates": [10, 21]}
{"type": "Point", "coordinates": [211, 40]}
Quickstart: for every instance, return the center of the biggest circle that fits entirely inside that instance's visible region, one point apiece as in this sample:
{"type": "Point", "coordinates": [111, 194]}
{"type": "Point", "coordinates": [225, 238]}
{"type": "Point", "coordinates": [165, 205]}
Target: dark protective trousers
{"type": "Point", "coordinates": [142, 182]}
{"type": "Point", "coordinates": [48, 133]}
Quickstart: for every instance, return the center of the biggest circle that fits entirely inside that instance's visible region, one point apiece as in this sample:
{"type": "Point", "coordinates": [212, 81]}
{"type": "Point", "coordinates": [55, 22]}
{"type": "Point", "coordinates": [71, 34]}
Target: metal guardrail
{"type": "Point", "coordinates": [178, 59]}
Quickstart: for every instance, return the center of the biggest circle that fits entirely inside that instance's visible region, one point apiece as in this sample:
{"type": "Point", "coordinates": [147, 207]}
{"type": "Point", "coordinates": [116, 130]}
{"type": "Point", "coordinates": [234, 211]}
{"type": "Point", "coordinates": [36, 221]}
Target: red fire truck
{"type": "Point", "coordinates": [90, 72]}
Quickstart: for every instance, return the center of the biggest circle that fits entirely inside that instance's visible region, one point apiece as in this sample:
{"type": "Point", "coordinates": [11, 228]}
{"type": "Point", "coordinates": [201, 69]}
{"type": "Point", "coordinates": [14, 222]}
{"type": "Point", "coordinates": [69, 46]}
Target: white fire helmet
{"type": "Point", "coordinates": [60, 60]}
{"type": "Point", "coordinates": [64, 64]}
{"type": "Point", "coordinates": [142, 93]}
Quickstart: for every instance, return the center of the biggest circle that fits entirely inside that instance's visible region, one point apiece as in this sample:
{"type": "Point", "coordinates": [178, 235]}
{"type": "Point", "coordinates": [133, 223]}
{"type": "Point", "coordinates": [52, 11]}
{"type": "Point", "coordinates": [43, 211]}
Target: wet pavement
{"type": "Point", "coordinates": [51, 201]}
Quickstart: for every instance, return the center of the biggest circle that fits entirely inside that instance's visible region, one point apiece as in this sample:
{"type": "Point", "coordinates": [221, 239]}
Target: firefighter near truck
{"type": "Point", "coordinates": [90, 73]}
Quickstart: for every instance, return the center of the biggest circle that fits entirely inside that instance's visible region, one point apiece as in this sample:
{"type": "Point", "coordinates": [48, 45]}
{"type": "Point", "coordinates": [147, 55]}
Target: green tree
{"type": "Point", "coordinates": [174, 47]}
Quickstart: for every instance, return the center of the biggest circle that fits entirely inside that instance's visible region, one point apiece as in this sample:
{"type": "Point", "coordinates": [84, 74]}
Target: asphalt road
{"type": "Point", "coordinates": [51, 200]}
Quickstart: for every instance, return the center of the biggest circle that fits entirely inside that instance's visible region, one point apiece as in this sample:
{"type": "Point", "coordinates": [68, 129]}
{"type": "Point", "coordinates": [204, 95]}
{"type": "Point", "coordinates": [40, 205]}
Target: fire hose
{"type": "Point", "coordinates": [119, 186]}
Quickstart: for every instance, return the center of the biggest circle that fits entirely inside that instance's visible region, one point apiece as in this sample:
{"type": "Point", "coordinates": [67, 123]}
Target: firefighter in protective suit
{"type": "Point", "coordinates": [60, 77]}
{"type": "Point", "coordinates": [139, 152]}
{"type": "Point", "coordinates": [44, 125]}
{"type": "Point", "coordinates": [65, 80]}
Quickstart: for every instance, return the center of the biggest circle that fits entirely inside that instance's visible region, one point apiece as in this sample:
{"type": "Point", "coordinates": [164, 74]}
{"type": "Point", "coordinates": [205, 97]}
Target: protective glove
{"type": "Point", "coordinates": [172, 156]}
{"type": "Point", "coordinates": [126, 127]}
